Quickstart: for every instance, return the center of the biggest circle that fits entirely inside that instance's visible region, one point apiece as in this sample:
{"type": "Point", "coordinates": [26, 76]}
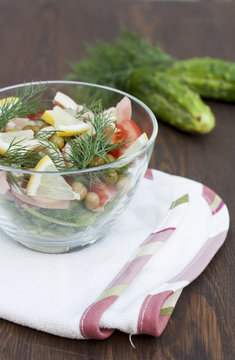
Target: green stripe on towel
{"type": "Point", "coordinates": [183, 199]}
{"type": "Point", "coordinates": [167, 311]}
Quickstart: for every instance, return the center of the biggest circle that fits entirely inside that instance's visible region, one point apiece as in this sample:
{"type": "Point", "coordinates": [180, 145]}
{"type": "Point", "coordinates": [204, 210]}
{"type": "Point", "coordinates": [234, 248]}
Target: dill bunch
{"type": "Point", "coordinates": [113, 63]}
{"type": "Point", "coordinates": [20, 157]}
{"type": "Point", "coordinates": [83, 148]}
{"type": "Point", "coordinates": [30, 101]}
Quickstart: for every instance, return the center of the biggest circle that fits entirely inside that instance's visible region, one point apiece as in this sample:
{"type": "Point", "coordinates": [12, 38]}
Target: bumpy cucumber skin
{"type": "Point", "coordinates": [211, 78]}
{"type": "Point", "coordinates": [171, 101]}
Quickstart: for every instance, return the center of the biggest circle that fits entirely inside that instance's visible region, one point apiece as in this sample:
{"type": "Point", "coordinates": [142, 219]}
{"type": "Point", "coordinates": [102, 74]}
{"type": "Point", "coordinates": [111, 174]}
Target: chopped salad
{"type": "Point", "coordinates": [65, 137]}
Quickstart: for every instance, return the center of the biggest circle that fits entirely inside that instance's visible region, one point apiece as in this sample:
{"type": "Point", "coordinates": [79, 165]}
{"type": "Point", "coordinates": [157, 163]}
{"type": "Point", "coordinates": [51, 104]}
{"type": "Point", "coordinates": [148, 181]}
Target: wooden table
{"type": "Point", "coordinates": [37, 38]}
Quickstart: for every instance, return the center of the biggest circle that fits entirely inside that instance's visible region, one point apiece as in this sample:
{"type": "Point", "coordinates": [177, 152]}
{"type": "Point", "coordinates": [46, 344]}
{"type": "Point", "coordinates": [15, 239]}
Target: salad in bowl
{"type": "Point", "coordinates": [71, 157]}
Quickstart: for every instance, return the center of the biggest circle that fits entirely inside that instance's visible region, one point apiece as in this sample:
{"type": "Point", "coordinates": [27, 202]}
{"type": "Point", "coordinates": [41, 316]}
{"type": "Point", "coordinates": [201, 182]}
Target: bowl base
{"type": "Point", "coordinates": [58, 249]}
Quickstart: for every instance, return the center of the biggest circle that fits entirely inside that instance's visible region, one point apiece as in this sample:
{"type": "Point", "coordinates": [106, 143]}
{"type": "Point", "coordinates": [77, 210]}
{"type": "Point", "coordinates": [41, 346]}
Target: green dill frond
{"type": "Point", "coordinates": [20, 157]}
{"type": "Point", "coordinates": [113, 63]}
{"type": "Point", "coordinates": [16, 181]}
{"type": "Point", "coordinates": [85, 147]}
{"type": "Point", "coordinates": [29, 102]}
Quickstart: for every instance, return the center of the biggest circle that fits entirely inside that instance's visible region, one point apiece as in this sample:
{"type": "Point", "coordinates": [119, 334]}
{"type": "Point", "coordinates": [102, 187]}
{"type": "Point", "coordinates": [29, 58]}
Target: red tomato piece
{"type": "Point", "coordinates": [36, 116]}
{"type": "Point", "coordinates": [105, 192]}
{"type": "Point", "coordinates": [117, 137]}
{"type": "Point", "coordinates": [128, 130]}
{"type": "Point", "coordinates": [113, 137]}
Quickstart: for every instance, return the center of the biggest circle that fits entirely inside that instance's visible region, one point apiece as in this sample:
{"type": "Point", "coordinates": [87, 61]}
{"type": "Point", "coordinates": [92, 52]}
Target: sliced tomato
{"type": "Point", "coordinates": [112, 135]}
{"type": "Point", "coordinates": [129, 131]}
{"type": "Point", "coordinates": [32, 116]}
{"type": "Point", "coordinates": [105, 192]}
{"type": "Point", "coordinates": [114, 139]}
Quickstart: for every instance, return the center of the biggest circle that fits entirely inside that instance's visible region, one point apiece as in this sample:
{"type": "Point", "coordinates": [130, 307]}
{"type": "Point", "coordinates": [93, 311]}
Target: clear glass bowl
{"type": "Point", "coordinates": [73, 226]}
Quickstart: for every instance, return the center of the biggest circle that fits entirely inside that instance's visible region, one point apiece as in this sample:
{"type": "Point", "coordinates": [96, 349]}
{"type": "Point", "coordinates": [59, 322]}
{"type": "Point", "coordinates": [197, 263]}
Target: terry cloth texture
{"type": "Point", "coordinates": [131, 279]}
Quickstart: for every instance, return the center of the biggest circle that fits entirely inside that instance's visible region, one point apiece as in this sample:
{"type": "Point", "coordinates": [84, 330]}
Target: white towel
{"type": "Point", "coordinates": [131, 279]}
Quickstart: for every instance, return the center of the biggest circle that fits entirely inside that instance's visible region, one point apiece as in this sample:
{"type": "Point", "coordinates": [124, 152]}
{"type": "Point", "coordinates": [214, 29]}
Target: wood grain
{"type": "Point", "coordinates": [37, 39]}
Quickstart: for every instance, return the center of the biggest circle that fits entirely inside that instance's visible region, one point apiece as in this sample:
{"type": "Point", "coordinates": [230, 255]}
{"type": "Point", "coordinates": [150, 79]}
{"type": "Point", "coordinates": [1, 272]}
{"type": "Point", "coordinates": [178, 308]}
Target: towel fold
{"type": "Point", "coordinates": [131, 279]}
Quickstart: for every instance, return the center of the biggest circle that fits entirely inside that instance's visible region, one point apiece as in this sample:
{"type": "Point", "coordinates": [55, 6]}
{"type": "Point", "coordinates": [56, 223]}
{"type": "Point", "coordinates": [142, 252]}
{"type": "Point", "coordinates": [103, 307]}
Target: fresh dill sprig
{"type": "Point", "coordinates": [113, 63]}
{"type": "Point", "coordinates": [16, 181]}
{"type": "Point", "coordinates": [48, 147]}
{"type": "Point", "coordinates": [84, 148]}
{"type": "Point", "coordinates": [28, 102]}
{"type": "Point", "coordinates": [19, 156]}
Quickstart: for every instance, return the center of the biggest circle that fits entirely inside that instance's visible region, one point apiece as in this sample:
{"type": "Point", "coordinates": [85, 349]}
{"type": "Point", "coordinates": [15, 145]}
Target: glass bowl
{"type": "Point", "coordinates": [57, 228]}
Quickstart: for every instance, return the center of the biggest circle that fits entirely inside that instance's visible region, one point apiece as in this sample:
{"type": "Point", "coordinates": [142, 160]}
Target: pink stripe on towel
{"type": "Point", "coordinates": [149, 174]}
{"type": "Point", "coordinates": [89, 323]}
{"type": "Point", "coordinates": [208, 194]}
{"type": "Point", "coordinates": [150, 321]}
{"type": "Point", "coordinates": [202, 259]}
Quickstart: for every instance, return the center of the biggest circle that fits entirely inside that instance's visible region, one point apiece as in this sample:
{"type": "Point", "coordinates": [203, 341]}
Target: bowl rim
{"type": "Point", "coordinates": [118, 163]}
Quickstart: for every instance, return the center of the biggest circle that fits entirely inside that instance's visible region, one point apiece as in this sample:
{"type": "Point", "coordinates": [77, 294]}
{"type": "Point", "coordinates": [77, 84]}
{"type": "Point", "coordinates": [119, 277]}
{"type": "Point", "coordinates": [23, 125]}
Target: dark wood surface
{"type": "Point", "coordinates": [37, 38]}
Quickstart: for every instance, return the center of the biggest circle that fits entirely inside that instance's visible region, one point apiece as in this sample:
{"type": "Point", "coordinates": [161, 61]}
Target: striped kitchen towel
{"type": "Point", "coordinates": [131, 279]}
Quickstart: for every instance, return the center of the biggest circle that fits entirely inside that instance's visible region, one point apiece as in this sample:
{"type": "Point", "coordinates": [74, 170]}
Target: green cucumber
{"type": "Point", "coordinates": [171, 101]}
{"type": "Point", "coordinates": [211, 78]}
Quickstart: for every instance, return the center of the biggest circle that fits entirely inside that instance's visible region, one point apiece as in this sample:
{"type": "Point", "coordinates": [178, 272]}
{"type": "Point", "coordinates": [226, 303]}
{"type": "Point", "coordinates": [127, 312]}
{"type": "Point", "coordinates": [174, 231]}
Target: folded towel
{"type": "Point", "coordinates": [132, 278]}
